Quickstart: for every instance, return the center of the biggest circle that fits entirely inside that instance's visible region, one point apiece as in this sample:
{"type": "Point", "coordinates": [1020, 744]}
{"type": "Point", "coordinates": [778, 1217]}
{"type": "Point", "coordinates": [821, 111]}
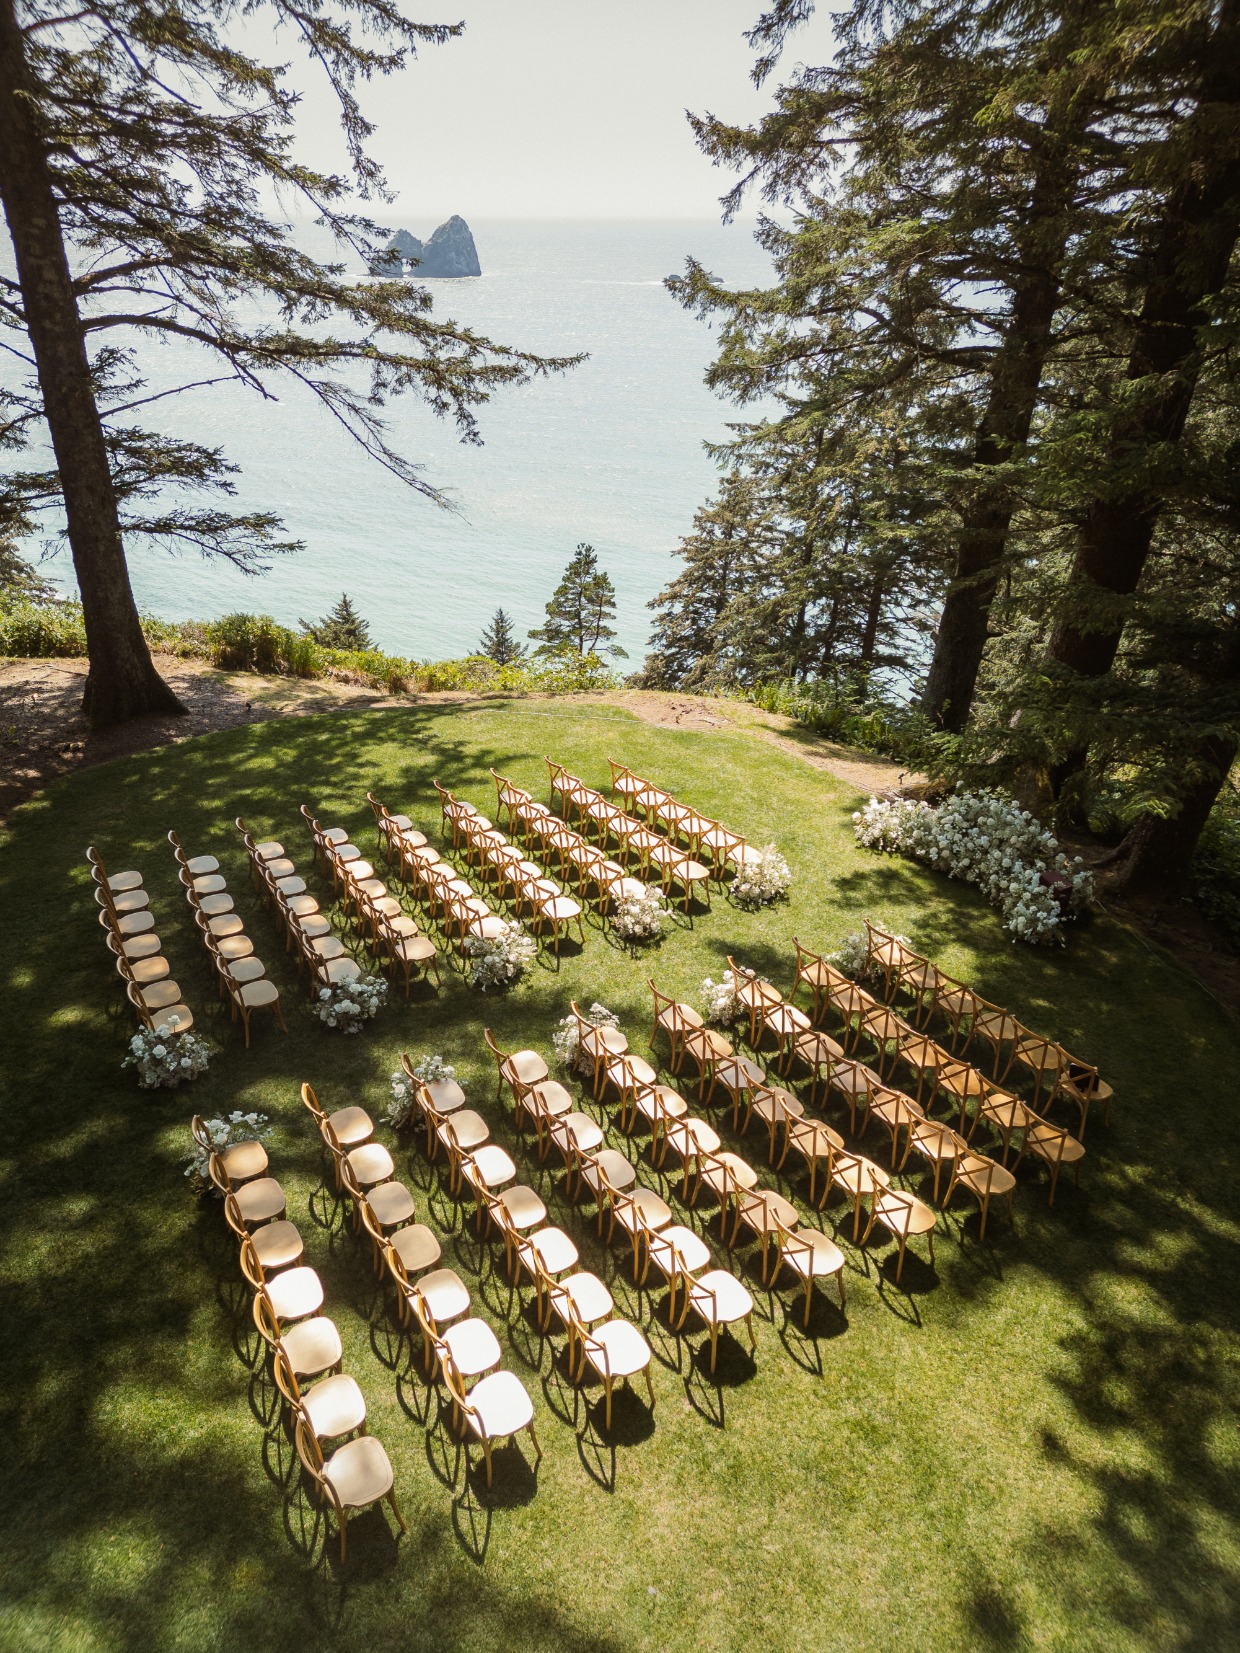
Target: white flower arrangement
{"type": "Point", "coordinates": [163, 1056]}
{"type": "Point", "coordinates": [238, 1127]}
{"type": "Point", "coordinates": [759, 883]}
{"type": "Point", "coordinates": [720, 1002]}
{"type": "Point", "coordinates": [566, 1040]}
{"type": "Point", "coordinates": [401, 1113]}
{"type": "Point", "coordinates": [989, 841]}
{"type": "Point", "coordinates": [641, 917]}
{"type": "Point", "coordinates": [498, 960]}
{"type": "Point", "coordinates": [853, 958]}
{"type": "Point", "coordinates": [347, 1004]}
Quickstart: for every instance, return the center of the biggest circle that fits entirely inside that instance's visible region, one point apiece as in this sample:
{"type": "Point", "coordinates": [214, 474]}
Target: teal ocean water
{"type": "Point", "coordinates": [610, 452]}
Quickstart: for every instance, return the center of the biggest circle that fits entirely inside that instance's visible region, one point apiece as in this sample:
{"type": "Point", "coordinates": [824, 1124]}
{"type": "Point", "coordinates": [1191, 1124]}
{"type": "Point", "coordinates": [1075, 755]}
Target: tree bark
{"type": "Point", "coordinates": [1156, 855]}
{"type": "Point", "coordinates": [122, 681]}
{"type": "Point", "coordinates": [1016, 377]}
{"type": "Point", "coordinates": [1189, 262]}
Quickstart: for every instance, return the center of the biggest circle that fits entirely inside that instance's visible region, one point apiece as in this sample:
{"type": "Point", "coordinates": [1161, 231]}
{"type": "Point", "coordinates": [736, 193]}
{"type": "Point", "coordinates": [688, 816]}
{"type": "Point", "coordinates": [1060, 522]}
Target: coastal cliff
{"type": "Point", "coordinates": [450, 253]}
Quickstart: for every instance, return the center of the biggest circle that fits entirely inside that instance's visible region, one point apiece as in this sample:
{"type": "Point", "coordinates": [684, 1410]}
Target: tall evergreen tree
{"type": "Point", "coordinates": [341, 628]}
{"type": "Point", "coordinates": [581, 609]}
{"type": "Point", "coordinates": [499, 641]}
{"type": "Point", "coordinates": [139, 147]}
{"type": "Point", "coordinates": [1188, 237]}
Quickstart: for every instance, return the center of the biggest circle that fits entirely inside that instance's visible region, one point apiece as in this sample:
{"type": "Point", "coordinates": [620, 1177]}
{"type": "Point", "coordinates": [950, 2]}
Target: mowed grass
{"type": "Point", "coordinates": [1033, 1444]}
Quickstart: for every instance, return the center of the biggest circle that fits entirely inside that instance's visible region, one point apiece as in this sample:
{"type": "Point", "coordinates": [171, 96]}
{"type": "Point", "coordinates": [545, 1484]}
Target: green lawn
{"type": "Point", "coordinates": [1034, 1445]}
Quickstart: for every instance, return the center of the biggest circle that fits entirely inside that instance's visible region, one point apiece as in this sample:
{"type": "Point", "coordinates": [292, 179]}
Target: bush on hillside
{"type": "Point", "coordinates": [41, 630]}
{"type": "Point", "coordinates": [843, 712]}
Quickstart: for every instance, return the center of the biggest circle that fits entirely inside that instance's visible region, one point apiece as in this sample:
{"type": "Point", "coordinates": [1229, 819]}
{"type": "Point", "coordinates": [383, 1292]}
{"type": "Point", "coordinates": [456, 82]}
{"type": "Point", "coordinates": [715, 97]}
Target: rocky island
{"type": "Point", "coordinates": [450, 253]}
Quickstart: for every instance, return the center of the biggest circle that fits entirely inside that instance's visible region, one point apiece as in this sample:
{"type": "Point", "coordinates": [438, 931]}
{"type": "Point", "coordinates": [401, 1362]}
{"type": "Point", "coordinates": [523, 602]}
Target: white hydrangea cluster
{"type": "Point", "coordinates": [989, 841]}
{"type": "Point", "coordinates": [719, 1000]}
{"type": "Point", "coordinates": [238, 1127]}
{"type": "Point", "coordinates": [347, 1004]}
{"type": "Point", "coordinates": [163, 1056]}
{"type": "Point", "coordinates": [852, 956]}
{"type": "Point", "coordinates": [758, 883]}
{"type": "Point", "coordinates": [498, 960]}
{"type": "Point", "coordinates": [429, 1070]}
{"type": "Point", "coordinates": [566, 1039]}
{"type": "Point", "coordinates": [641, 917]}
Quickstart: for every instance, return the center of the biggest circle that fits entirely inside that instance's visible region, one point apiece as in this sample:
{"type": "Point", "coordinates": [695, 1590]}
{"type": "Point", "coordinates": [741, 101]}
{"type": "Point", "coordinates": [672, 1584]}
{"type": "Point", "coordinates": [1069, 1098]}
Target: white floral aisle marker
{"type": "Point", "coordinates": [222, 1133]}
{"type": "Point", "coordinates": [402, 1113]}
{"type": "Point", "coordinates": [759, 883]}
{"type": "Point", "coordinates": [641, 918]}
{"type": "Point", "coordinates": [162, 1056]}
{"type": "Point", "coordinates": [566, 1040]}
{"type": "Point", "coordinates": [497, 961]}
{"type": "Point", "coordinates": [345, 1005]}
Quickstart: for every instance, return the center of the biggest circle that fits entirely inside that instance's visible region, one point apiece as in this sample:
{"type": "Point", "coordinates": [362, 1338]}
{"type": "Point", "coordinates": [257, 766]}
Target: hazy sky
{"type": "Point", "coordinates": [565, 108]}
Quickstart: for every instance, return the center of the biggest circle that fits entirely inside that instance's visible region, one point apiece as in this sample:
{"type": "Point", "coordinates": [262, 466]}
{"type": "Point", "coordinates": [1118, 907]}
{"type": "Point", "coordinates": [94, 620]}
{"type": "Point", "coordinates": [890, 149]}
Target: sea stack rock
{"type": "Point", "coordinates": [450, 251]}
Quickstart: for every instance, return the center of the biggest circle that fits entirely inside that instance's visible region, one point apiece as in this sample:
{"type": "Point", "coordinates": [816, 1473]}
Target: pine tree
{"type": "Point", "coordinates": [580, 610]}
{"type": "Point", "coordinates": [341, 628]}
{"type": "Point", "coordinates": [139, 152]}
{"type": "Point", "coordinates": [499, 641]}
{"type": "Point", "coordinates": [1188, 239]}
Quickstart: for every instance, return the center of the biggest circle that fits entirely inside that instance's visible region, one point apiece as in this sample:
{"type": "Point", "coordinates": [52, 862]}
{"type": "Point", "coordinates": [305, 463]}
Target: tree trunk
{"type": "Point", "coordinates": [122, 680]}
{"type": "Point", "coordinates": [1189, 262]}
{"type": "Point", "coordinates": [873, 612]}
{"type": "Point", "coordinates": [1156, 855]}
{"type": "Point", "coordinates": [1015, 379]}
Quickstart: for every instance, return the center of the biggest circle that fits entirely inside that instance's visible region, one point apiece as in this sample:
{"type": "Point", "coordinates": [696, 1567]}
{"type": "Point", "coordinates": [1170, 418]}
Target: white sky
{"type": "Point", "coordinates": [562, 108]}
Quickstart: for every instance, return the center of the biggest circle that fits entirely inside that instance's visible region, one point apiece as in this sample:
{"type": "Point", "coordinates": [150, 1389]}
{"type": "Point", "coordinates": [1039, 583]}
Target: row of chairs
{"type": "Point", "coordinates": [947, 1075]}
{"type": "Point", "coordinates": [449, 898]}
{"type": "Point", "coordinates": [704, 836]}
{"type": "Point", "coordinates": [972, 1020]}
{"type": "Point", "coordinates": [347, 1468]}
{"type": "Point", "coordinates": [641, 1214]}
{"type": "Point", "coordinates": [744, 1081]}
{"type": "Point", "coordinates": [460, 1349]}
{"type": "Point", "coordinates": [636, 839]}
{"type": "Point", "coordinates": [129, 930]}
{"type": "Point", "coordinates": [589, 864]}
{"type": "Point", "coordinates": [521, 882]}
{"type": "Point", "coordinates": [319, 952]}
{"type": "Point", "coordinates": [241, 973]}
{"type": "Point", "coordinates": [389, 934]}
{"type": "Point", "coordinates": [598, 1339]}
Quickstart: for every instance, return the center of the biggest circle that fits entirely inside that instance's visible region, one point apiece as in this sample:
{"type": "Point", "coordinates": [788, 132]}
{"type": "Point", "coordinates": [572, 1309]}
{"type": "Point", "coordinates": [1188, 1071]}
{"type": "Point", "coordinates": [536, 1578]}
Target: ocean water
{"type": "Point", "coordinates": [610, 452]}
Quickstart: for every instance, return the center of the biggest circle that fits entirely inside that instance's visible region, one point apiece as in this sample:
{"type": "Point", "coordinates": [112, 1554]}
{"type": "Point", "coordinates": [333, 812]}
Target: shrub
{"type": "Point", "coordinates": [853, 714]}
{"type": "Point", "coordinates": [41, 630]}
{"type": "Point", "coordinates": [256, 643]}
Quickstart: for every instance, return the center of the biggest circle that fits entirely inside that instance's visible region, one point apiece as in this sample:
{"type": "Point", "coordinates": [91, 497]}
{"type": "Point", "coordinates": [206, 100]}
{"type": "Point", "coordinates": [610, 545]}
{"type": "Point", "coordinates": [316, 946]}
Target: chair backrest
{"type": "Point", "coordinates": [265, 1321]}
{"type": "Point", "coordinates": [395, 1267]}
{"type": "Point", "coordinates": [218, 1173]}
{"type": "Point", "coordinates": [310, 1452]}
{"type": "Point", "coordinates": [371, 1223]}
{"type": "Point", "coordinates": [232, 1215]}
{"type": "Point", "coordinates": [352, 1187]}
{"type": "Point", "coordinates": [286, 1378]}
{"type": "Point", "coordinates": [500, 1056]}
{"type": "Point", "coordinates": [380, 813]}
{"type": "Point", "coordinates": [201, 1135]}
{"type": "Point", "coordinates": [180, 854]}
{"type": "Point", "coordinates": [453, 1381]}
{"type": "Point", "coordinates": [311, 1101]}
{"type": "Point", "coordinates": [251, 1266]}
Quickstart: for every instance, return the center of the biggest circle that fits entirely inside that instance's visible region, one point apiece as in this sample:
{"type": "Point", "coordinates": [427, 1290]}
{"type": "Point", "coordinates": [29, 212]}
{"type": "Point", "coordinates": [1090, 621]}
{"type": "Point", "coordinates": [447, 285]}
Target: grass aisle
{"type": "Point", "coordinates": [1033, 1445]}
